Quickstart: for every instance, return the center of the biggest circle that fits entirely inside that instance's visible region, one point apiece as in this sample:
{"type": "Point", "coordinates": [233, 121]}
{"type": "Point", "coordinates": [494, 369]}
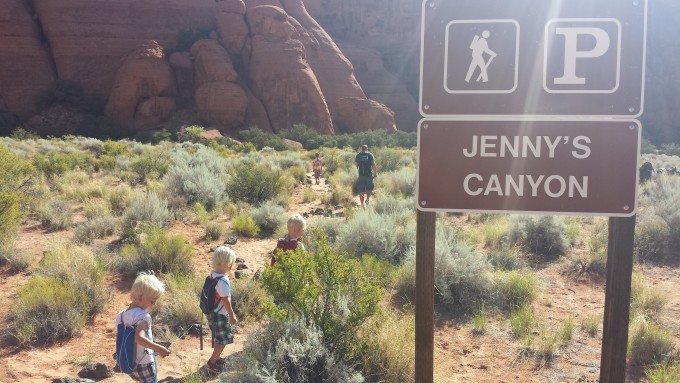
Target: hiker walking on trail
{"type": "Point", "coordinates": [365, 162]}
{"type": "Point", "coordinates": [317, 166]}
{"type": "Point", "coordinates": [479, 47]}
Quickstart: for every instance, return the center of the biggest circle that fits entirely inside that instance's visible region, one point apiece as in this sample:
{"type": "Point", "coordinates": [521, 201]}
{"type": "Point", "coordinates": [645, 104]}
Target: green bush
{"type": "Point", "coordinates": [661, 198]}
{"type": "Point", "coordinates": [254, 183]}
{"type": "Point", "coordinates": [262, 139]}
{"type": "Point", "coordinates": [81, 269]}
{"type": "Point", "coordinates": [153, 163]}
{"type": "Point", "coordinates": [146, 211]}
{"type": "Point", "coordinates": [15, 183]}
{"type": "Point", "coordinates": [652, 237]}
{"type": "Point", "coordinates": [57, 163]}
{"type": "Point", "coordinates": [388, 237]}
{"type": "Point", "coordinates": [55, 215]}
{"type": "Point", "coordinates": [95, 228]}
{"type": "Point", "coordinates": [644, 300]}
{"type": "Point", "coordinates": [541, 235]}
{"type": "Point", "coordinates": [269, 217]}
{"type": "Point", "coordinates": [179, 310]}
{"type": "Point", "coordinates": [401, 182]}
{"type": "Point", "coordinates": [199, 177]}
{"type": "Point", "coordinates": [158, 252]}
{"type": "Point", "coordinates": [648, 343]}
{"type": "Point", "coordinates": [666, 372]}
{"type": "Point", "coordinates": [214, 231]}
{"type": "Point", "coordinates": [386, 347]}
{"type": "Point", "coordinates": [18, 260]}
{"type": "Point", "coordinates": [325, 289]}
{"type": "Point", "coordinates": [245, 225]}
{"type": "Point", "coordinates": [522, 321]}
{"type": "Point", "coordinates": [288, 351]}
{"type": "Point", "coordinates": [47, 310]}
{"type": "Point", "coordinates": [250, 299]}
{"type": "Point", "coordinates": [462, 277]}
{"type": "Point", "coordinates": [516, 288]}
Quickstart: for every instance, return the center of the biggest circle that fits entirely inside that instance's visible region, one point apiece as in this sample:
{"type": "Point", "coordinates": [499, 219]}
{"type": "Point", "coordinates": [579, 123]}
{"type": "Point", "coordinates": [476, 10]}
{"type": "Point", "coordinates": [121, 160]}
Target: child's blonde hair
{"type": "Point", "coordinates": [223, 256]}
{"type": "Point", "coordinates": [147, 285]}
{"type": "Point", "coordinates": [296, 222]}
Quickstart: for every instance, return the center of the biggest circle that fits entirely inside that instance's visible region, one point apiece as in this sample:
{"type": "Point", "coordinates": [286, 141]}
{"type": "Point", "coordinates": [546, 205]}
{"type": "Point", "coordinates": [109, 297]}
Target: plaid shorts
{"type": "Point", "coordinates": [221, 329]}
{"type": "Point", "coordinates": [145, 373]}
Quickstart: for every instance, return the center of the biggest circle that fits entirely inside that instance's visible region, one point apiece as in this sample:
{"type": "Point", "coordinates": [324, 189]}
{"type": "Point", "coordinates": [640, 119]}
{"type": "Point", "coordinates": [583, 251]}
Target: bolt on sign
{"type": "Point", "coordinates": [499, 58]}
{"type": "Point", "coordinates": [534, 166]}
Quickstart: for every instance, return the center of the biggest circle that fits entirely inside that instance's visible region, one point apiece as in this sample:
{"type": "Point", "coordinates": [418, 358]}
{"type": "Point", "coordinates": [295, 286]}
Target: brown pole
{"type": "Point", "coordinates": [425, 236]}
{"type": "Point", "coordinates": [617, 300]}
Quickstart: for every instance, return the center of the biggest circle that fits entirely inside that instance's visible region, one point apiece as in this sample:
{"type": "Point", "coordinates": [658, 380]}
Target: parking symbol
{"type": "Point", "coordinates": [481, 56]}
{"type": "Point", "coordinates": [582, 56]}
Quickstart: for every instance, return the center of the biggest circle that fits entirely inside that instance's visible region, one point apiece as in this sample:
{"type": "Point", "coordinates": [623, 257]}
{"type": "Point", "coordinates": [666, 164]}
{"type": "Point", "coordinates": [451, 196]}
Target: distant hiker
{"type": "Point", "coordinates": [217, 296]}
{"type": "Point", "coordinates": [365, 162]}
{"type": "Point", "coordinates": [479, 47]}
{"type": "Point", "coordinates": [646, 171]}
{"type": "Point", "coordinates": [144, 293]}
{"type": "Point", "coordinates": [296, 227]}
{"type": "Point", "coordinates": [317, 165]}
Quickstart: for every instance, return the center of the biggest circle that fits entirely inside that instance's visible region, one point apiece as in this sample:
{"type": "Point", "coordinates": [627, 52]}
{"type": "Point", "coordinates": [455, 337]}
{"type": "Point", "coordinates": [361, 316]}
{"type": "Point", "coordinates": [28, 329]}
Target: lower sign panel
{"type": "Point", "coordinates": [535, 166]}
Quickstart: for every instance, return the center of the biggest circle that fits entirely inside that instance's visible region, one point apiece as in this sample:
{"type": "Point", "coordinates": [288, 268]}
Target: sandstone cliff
{"type": "Point", "coordinates": [264, 63]}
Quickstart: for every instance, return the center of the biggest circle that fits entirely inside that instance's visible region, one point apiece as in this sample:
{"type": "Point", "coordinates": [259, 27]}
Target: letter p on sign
{"type": "Point", "coordinates": [582, 56]}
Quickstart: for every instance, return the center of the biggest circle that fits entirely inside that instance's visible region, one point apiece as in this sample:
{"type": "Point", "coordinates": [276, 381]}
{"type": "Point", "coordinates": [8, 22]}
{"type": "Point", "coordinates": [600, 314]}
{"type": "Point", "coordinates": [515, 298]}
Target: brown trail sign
{"type": "Point", "coordinates": [501, 79]}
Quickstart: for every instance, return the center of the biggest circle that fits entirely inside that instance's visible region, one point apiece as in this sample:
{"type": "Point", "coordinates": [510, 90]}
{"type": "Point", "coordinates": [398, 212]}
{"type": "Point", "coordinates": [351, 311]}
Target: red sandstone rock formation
{"type": "Point", "coordinates": [364, 113]}
{"type": "Point", "coordinates": [25, 66]}
{"type": "Point", "coordinates": [231, 25]}
{"type": "Point", "coordinates": [144, 74]}
{"type": "Point", "coordinates": [279, 74]}
{"type": "Point", "coordinates": [89, 37]}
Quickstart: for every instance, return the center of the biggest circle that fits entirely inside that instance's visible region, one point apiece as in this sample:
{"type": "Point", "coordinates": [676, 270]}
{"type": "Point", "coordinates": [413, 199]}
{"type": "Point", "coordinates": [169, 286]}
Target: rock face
{"type": "Point", "coordinates": [267, 63]}
{"type": "Point", "coordinates": [144, 88]}
{"type": "Point", "coordinates": [89, 37]}
{"type": "Point", "coordinates": [26, 69]}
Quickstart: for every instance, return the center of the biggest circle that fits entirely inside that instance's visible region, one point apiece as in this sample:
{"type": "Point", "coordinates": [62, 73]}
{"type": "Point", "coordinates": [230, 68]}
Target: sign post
{"type": "Point", "coordinates": [531, 108]}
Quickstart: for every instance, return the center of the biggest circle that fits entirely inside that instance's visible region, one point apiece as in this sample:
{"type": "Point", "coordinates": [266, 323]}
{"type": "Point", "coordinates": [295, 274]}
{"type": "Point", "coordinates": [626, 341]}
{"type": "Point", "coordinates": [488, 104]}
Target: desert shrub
{"type": "Point", "coordinates": [250, 299]}
{"type": "Point", "coordinates": [214, 231]}
{"type": "Point", "coordinates": [540, 235]}
{"type": "Point", "coordinates": [158, 252]}
{"type": "Point", "coordinates": [55, 215]}
{"type": "Point", "coordinates": [15, 182]}
{"type": "Point", "coordinates": [522, 321]}
{"type": "Point", "coordinates": [269, 217]}
{"type": "Point", "coordinates": [322, 229]}
{"type": "Point", "coordinates": [46, 310]}
{"type": "Point", "coordinates": [386, 347]}
{"type": "Point", "coordinates": [199, 177]}
{"type": "Point", "coordinates": [666, 372]}
{"type": "Point", "coordinates": [325, 289]}
{"type": "Point", "coordinates": [146, 210]}
{"type": "Point", "coordinates": [96, 207]}
{"type": "Point", "coordinates": [663, 193]}
{"type": "Point", "coordinates": [95, 228]}
{"type": "Point", "coordinates": [339, 196]}
{"type": "Point", "coordinates": [119, 198]}
{"type": "Point", "coordinates": [288, 351]}
{"type": "Point", "coordinates": [390, 159]}
{"type": "Point", "coordinates": [81, 269]}
{"type": "Point", "coordinates": [399, 182]}
{"type": "Point", "coordinates": [652, 235]}
{"type": "Point", "coordinates": [381, 271]}
{"type": "Point", "coordinates": [245, 225]}
{"type": "Point", "coordinates": [262, 139]}
{"type": "Point", "coordinates": [645, 300]}
{"type": "Point", "coordinates": [336, 159]}
{"type": "Point", "coordinates": [507, 258]}
{"type": "Point", "coordinates": [516, 288]}
{"type": "Point", "coordinates": [389, 205]}
{"type": "Point", "coordinates": [57, 163]}
{"type": "Point", "coordinates": [18, 260]}
{"type": "Point", "coordinates": [388, 237]}
{"type": "Point", "coordinates": [545, 345]}
{"type": "Point", "coordinates": [153, 163]}
{"type": "Point", "coordinates": [462, 277]}
{"type": "Point", "coordinates": [591, 325]}
{"type": "Point", "coordinates": [648, 343]}
{"type": "Point", "coordinates": [254, 183]}
{"type": "Point", "coordinates": [297, 173]}
{"type": "Point", "coordinates": [179, 310]}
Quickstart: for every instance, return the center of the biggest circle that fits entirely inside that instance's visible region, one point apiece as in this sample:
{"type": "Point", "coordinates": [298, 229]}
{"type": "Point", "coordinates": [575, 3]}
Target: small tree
{"type": "Point", "coordinates": [326, 290]}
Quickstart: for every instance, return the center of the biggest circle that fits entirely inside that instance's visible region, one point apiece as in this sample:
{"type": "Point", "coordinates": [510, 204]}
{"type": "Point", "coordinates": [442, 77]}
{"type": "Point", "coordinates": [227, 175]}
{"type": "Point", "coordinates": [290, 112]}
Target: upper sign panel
{"type": "Point", "coordinates": [575, 58]}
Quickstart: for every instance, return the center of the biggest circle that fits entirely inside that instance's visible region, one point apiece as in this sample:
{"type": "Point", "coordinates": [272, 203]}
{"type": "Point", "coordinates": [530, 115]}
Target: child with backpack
{"type": "Point", "coordinates": [296, 226]}
{"type": "Point", "coordinates": [216, 303]}
{"type": "Point", "coordinates": [135, 348]}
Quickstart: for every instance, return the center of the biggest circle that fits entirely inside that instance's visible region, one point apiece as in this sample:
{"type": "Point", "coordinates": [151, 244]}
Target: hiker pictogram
{"type": "Point", "coordinates": [480, 47]}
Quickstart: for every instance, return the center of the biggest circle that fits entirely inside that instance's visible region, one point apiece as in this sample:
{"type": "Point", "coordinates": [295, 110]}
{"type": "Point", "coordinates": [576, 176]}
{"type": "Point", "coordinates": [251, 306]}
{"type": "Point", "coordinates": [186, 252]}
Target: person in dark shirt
{"type": "Point", "coordinates": [365, 162]}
